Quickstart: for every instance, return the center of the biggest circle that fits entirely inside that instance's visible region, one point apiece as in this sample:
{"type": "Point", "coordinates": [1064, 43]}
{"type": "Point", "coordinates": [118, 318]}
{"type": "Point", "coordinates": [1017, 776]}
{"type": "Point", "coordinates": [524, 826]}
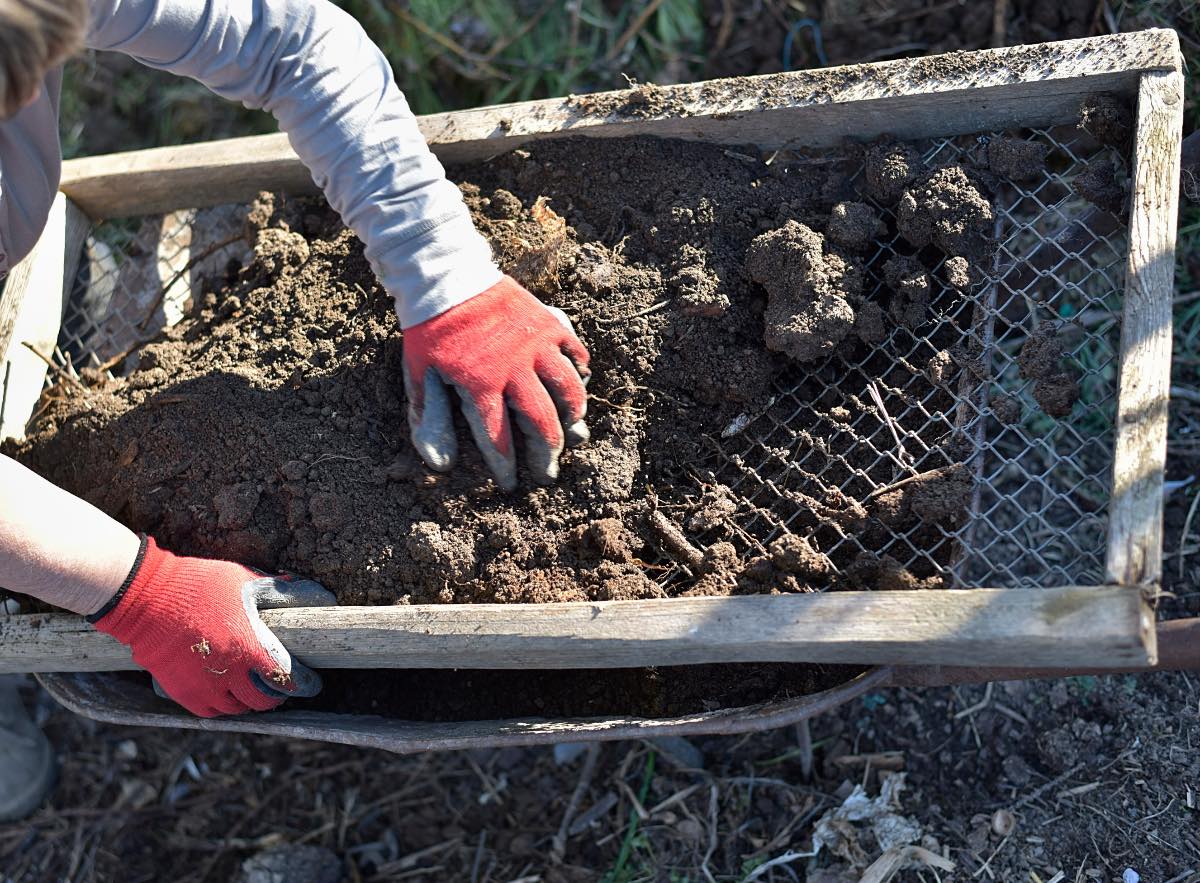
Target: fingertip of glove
{"type": "Point", "coordinates": [577, 433]}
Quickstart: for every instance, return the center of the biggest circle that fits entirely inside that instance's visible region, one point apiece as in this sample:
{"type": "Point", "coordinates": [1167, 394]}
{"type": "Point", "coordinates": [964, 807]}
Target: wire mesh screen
{"type": "Point", "coordinates": [948, 393]}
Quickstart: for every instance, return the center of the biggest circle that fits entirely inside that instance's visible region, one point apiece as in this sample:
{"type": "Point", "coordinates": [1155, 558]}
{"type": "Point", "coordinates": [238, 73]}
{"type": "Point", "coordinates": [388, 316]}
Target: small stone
{"type": "Point", "coordinates": [1003, 823]}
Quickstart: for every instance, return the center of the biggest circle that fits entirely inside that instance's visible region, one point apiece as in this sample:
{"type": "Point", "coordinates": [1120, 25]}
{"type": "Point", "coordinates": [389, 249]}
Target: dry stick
{"type": "Point", "coordinates": [804, 738]}
{"type": "Point", "coordinates": [673, 542]}
{"type": "Point", "coordinates": [508, 39]}
{"type": "Point", "coordinates": [1188, 395]}
{"type": "Point", "coordinates": [1187, 529]}
{"type": "Point", "coordinates": [712, 834]}
{"type": "Point", "coordinates": [186, 268]}
{"type": "Point", "coordinates": [558, 845]}
{"type": "Point", "coordinates": [62, 375]}
{"type": "Point", "coordinates": [634, 29]}
{"type": "Point", "coordinates": [967, 401]}
{"type": "Point", "coordinates": [646, 312]}
{"type": "Point", "coordinates": [999, 23]}
{"type": "Point", "coordinates": [481, 64]}
{"type": "Point", "coordinates": [725, 31]}
{"type": "Point", "coordinates": [895, 485]}
{"type": "Point", "coordinates": [904, 456]}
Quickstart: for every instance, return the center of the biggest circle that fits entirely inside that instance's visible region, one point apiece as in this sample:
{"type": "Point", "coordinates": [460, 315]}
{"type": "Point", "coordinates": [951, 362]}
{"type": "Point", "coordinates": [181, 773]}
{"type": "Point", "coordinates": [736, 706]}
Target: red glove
{"type": "Point", "coordinates": [501, 350]}
{"type": "Point", "coordinates": [194, 624]}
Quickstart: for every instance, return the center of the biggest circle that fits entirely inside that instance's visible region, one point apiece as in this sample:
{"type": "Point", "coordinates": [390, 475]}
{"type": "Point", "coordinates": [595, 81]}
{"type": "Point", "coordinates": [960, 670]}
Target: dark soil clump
{"type": "Point", "coordinates": [958, 273]}
{"type": "Point", "coordinates": [1007, 408]}
{"type": "Point", "coordinates": [889, 167]}
{"type": "Point", "coordinates": [1040, 360]}
{"type": "Point", "coordinates": [1017, 159]}
{"type": "Point", "coordinates": [909, 281]}
{"type": "Point", "coordinates": [854, 225]}
{"type": "Point", "coordinates": [1108, 119]}
{"type": "Point", "coordinates": [809, 310]}
{"type": "Point", "coordinates": [946, 209]}
{"type": "Point", "coordinates": [1098, 185]}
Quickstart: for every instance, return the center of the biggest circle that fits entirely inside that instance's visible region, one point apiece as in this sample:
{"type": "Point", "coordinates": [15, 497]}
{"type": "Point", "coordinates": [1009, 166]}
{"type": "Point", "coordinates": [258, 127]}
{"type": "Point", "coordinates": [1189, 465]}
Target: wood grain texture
{"type": "Point", "coordinates": [35, 294]}
{"type": "Point", "coordinates": [1060, 627]}
{"type": "Point", "coordinates": [1136, 508]}
{"type": "Point", "coordinates": [911, 98]}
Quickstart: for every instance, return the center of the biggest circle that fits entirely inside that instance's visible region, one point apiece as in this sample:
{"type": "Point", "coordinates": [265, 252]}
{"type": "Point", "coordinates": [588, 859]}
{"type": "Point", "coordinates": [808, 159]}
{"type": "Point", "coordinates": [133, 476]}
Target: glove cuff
{"type": "Point", "coordinates": [114, 617]}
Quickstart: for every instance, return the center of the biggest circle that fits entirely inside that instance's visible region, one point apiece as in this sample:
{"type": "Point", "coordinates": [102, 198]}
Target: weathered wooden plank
{"type": "Point", "coordinates": [1136, 509]}
{"type": "Point", "coordinates": [1061, 627]}
{"type": "Point", "coordinates": [32, 303]}
{"type": "Point", "coordinates": [910, 98]}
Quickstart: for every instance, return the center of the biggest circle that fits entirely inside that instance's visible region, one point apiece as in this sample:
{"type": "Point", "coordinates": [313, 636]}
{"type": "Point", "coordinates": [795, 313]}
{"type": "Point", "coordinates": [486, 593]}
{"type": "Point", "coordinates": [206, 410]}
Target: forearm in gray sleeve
{"type": "Point", "coordinates": [314, 68]}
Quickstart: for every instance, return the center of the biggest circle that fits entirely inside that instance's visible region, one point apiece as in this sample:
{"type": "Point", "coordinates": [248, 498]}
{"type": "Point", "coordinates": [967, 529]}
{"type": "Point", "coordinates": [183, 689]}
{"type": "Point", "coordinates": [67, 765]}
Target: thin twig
{"type": "Point", "coordinates": [712, 834]}
{"type": "Point", "coordinates": [903, 457]}
{"type": "Point", "coordinates": [186, 268]}
{"type": "Point", "coordinates": [1188, 395]}
{"type": "Point", "coordinates": [784, 859]}
{"type": "Point", "coordinates": [59, 372]}
{"type": "Point", "coordinates": [1187, 530]}
{"type": "Point", "coordinates": [634, 28]}
{"type": "Point", "coordinates": [999, 23]}
{"type": "Point", "coordinates": [558, 845]}
{"type": "Point", "coordinates": [481, 64]}
{"type": "Point", "coordinates": [646, 312]}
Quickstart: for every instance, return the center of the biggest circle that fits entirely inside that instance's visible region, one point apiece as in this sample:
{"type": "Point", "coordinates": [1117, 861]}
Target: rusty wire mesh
{"type": "Point", "coordinates": [1038, 512]}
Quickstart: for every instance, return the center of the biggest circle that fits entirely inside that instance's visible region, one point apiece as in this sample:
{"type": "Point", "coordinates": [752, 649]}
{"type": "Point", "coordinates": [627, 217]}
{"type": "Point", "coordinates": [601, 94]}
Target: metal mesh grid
{"type": "Point", "coordinates": [1038, 510]}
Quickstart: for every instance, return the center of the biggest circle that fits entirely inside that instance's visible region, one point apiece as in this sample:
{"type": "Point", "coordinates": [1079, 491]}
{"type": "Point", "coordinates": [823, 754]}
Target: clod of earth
{"type": "Point", "coordinates": [947, 210]}
{"type": "Point", "coordinates": [1016, 158]}
{"type": "Point", "coordinates": [809, 310]}
{"type": "Point", "coordinates": [957, 272]}
{"type": "Point", "coordinates": [1108, 119]}
{"type": "Point", "coordinates": [909, 282]}
{"type": "Point", "coordinates": [1040, 360]}
{"type": "Point", "coordinates": [889, 167]}
{"type": "Point", "coordinates": [1098, 185]}
{"type": "Point", "coordinates": [697, 288]}
{"type": "Point", "coordinates": [854, 225]}
{"type": "Point", "coordinates": [1007, 408]}
{"type": "Point", "coordinates": [939, 496]}
{"type": "Point", "coordinates": [940, 367]}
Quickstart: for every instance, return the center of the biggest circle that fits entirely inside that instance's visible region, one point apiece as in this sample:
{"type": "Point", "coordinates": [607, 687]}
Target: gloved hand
{"type": "Point", "coordinates": [501, 350]}
{"type": "Point", "coordinates": [193, 624]}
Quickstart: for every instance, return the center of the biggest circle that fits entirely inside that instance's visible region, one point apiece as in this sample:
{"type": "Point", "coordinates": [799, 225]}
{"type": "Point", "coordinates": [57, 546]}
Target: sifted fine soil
{"type": "Point", "coordinates": [269, 428]}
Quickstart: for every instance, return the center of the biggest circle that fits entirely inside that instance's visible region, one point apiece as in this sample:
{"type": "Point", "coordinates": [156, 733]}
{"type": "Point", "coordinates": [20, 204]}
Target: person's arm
{"type": "Point", "coordinates": [191, 622]}
{"type": "Point", "coordinates": [313, 67]}
{"type": "Point", "coordinates": [57, 547]}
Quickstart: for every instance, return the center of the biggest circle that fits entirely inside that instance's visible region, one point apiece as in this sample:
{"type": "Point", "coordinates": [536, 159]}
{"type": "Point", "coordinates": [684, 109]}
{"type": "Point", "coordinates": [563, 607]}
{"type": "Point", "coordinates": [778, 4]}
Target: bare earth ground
{"type": "Point", "coordinates": [1099, 774]}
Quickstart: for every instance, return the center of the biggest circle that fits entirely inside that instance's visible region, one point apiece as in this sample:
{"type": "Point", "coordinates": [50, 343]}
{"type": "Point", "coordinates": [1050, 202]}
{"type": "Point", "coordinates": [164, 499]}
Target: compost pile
{"type": "Point", "coordinates": [270, 427]}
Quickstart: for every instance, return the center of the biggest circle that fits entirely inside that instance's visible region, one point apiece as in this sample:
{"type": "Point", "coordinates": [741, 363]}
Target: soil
{"type": "Point", "coordinates": [809, 287]}
{"type": "Point", "coordinates": [1109, 120]}
{"type": "Point", "coordinates": [1040, 360]}
{"type": "Point", "coordinates": [308, 468]}
{"type": "Point", "coordinates": [685, 271]}
{"type": "Point", "coordinates": [1098, 184]}
{"type": "Point", "coordinates": [947, 209]}
{"type": "Point", "coordinates": [1016, 158]}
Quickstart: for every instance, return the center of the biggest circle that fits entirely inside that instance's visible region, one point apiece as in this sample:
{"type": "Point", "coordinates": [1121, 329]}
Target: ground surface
{"type": "Point", "coordinates": [1099, 774]}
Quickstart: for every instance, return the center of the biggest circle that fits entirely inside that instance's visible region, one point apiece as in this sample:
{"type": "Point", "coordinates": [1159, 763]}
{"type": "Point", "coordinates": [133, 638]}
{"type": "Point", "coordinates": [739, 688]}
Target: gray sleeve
{"type": "Point", "coordinates": [30, 164]}
{"type": "Point", "coordinates": [332, 91]}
